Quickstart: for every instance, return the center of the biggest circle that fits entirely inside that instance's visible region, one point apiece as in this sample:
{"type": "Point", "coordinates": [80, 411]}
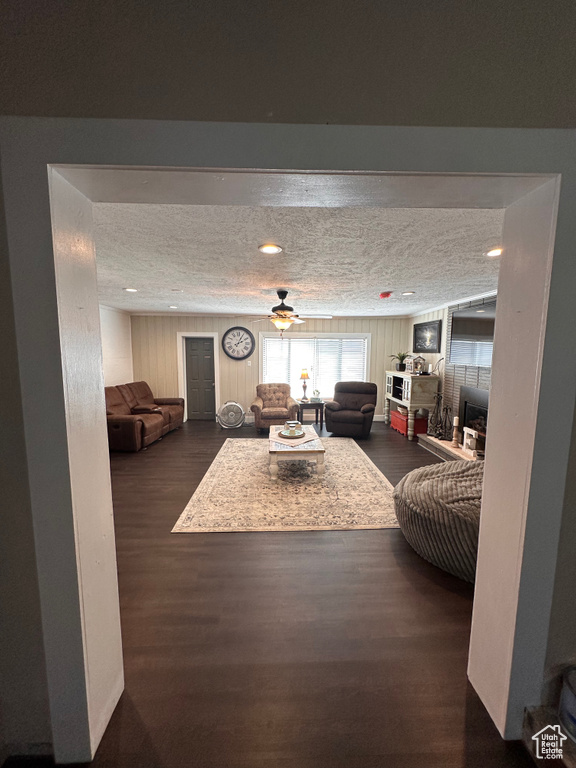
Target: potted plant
{"type": "Point", "coordinates": [316, 396]}
{"type": "Point", "coordinates": [401, 357]}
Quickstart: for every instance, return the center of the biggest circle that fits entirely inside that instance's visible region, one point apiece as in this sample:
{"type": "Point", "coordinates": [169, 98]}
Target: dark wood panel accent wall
{"type": "Point", "coordinates": [456, 376]}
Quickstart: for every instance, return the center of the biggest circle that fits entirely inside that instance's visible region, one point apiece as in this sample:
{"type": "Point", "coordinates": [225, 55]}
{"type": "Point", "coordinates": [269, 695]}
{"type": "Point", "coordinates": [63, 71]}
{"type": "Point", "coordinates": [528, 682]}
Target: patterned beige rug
{"type": "Point", "coordinates": [237, 494]}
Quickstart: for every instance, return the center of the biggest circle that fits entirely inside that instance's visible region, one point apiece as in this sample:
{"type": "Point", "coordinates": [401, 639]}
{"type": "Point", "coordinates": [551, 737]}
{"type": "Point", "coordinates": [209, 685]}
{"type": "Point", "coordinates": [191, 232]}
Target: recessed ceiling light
{"type": "Point", "coordinates": [131, 290]}
{"type": "Point", "coordinates": [480, 310]}
{"type": "Point", "coordinates": [269, 248]}
{"type": "Point", "coordinates": [172, 306]}
{"type": "Point", "coordinates": [408, 293]}
{"type": "Point", "coordinates": [495, 252]}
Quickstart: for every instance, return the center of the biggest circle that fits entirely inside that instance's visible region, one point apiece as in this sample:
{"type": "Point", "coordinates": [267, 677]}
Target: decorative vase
{"type": "Point", "coordinates": [400, 366]}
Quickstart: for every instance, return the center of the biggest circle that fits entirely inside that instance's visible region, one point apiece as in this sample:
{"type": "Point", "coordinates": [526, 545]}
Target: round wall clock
{"type": "Point", "coordinates": [238, 343]}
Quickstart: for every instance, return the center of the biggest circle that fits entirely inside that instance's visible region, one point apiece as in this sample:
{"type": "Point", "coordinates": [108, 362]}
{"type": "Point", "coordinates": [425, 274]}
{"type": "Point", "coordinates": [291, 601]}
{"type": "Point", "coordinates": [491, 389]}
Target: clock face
{"type": "Point", "coordinates": [238, 343]}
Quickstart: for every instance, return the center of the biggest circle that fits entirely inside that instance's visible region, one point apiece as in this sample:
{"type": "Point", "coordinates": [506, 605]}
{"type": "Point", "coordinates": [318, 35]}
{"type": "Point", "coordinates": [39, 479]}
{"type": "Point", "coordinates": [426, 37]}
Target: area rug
{"type": "Point", "coordinates": [237, 493]}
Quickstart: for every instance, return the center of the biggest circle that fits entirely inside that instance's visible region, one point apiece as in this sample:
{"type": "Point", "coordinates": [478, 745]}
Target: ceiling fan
{"type": "Point", "coordinates": [283, 316]}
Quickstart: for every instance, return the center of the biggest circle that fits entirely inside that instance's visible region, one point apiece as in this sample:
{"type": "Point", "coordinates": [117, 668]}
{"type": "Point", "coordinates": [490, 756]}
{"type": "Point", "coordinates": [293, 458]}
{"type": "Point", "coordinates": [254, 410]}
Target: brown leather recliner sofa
{"type": "Point", "coordinates": [351, 412]}
{"type": "Point", "coordinates": [273, 405]}
{"type": "Point", "coordinates": [136, 418]}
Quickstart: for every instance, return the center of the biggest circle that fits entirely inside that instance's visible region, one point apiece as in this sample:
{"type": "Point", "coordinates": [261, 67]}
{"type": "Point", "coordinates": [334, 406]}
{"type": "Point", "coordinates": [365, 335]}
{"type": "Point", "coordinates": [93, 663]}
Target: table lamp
{"type": "Point", "coordinates": [304, 377]}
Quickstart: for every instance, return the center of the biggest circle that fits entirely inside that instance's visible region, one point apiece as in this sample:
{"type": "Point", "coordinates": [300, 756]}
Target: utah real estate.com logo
{"type": "Point", "coordinates": [549, 743]}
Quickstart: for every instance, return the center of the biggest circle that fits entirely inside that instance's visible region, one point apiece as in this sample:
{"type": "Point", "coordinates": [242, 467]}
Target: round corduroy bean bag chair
{"type": "Point", "coordinates": [438, 508]}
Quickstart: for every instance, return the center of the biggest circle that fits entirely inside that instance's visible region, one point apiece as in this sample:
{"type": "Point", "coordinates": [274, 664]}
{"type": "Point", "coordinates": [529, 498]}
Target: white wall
{"type": "Point", "coordinates": [518, 531]}
{"type": "Point", "coordinates": [91, 658]}
{"type": "Point", "coordinates": [116, 346]}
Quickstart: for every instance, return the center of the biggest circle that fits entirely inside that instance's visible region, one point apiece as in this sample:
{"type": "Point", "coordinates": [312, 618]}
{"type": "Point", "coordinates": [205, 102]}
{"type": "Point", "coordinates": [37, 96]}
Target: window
{"type": "Point", "coordinates": [327, 357]}
{"type": "Point", "coordinates": [465, 352]}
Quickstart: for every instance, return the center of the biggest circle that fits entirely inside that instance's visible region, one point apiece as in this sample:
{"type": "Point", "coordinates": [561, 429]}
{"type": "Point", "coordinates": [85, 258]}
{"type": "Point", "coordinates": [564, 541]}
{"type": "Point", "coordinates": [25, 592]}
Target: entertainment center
{"type": "Point", "coordinates": [413, 392]}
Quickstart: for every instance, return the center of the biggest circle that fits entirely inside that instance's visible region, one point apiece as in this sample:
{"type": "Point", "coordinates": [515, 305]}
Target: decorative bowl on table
{"type": "Point", "coordinates": [292, 429]}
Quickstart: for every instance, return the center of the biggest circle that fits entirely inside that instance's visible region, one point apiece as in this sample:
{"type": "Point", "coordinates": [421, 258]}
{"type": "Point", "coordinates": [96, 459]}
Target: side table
{"type": "Point", "coordinates": [318, 407]}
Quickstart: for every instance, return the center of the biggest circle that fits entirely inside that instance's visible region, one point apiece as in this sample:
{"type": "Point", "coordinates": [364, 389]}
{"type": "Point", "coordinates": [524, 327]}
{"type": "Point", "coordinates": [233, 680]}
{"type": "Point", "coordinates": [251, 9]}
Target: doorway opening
{"type": "Point", "coordinates": [521, 195]}
{"type": "Point", "coordinates": [503, 629]}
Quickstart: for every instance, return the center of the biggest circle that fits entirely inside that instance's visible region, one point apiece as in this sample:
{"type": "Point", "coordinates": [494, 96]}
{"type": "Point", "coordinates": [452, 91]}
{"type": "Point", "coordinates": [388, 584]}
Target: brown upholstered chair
{"type": "Point", "coordinates": [273, 405]}
{"type": "Point", "coordinates": [351, 412]}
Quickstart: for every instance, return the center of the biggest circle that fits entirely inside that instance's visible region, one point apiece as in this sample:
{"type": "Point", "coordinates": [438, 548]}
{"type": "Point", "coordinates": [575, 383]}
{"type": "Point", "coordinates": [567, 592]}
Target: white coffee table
{"type": "Point", "coordinates": [307, 450]}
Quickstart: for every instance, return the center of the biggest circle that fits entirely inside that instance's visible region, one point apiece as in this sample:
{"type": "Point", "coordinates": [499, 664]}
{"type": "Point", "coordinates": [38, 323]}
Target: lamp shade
{"type": "Point", "coordinates": [282, 323]}
{"type": "Point", "coordinates": [304, 374]}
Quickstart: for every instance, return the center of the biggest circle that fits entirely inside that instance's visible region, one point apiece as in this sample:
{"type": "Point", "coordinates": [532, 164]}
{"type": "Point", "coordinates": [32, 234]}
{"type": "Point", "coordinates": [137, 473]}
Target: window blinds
{"type": "Point", "coordinates": [327, 360]}
{"type": "Point", "coordinates": [465, 352]}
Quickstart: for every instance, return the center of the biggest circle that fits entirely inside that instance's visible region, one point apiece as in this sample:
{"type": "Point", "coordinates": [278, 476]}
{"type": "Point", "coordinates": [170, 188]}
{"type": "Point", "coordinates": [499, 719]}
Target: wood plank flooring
{"type": "Point", "coordinates": [285, 650]}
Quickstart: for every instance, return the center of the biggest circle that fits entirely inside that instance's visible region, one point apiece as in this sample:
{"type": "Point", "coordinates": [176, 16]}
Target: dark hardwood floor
{"type": "Point", "coordinates": [285, 650]}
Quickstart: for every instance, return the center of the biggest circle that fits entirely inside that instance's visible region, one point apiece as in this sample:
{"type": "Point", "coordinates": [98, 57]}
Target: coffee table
{"type": "Point", "coordinates": [279, 451]}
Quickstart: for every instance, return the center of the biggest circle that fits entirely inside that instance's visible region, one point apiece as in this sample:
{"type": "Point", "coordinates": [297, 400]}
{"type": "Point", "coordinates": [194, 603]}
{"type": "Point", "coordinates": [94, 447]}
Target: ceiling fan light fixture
{"type": "Point", "coordinates": [282, 323]}
{"type": "Point", "coordinates": [270, 248]}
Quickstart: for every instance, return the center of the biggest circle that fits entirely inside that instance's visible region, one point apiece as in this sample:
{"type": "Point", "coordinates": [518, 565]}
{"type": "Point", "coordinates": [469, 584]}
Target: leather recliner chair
{"type": "Point", "coordinates": [351, 412]}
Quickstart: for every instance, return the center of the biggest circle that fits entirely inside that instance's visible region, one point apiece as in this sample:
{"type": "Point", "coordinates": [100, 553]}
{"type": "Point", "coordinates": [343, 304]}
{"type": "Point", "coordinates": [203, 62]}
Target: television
{"type": "Point", "coordinates": [472, 336]}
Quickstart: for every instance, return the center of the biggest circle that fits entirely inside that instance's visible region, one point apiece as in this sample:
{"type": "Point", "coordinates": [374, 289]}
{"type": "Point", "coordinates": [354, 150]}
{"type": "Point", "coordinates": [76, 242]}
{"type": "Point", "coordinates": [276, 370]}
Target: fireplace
{"type": "Point", "coordinates": [473, 409]}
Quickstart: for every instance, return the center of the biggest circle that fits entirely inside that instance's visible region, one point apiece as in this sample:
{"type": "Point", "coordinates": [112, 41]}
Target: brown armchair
{"type": "Point", "coordinates": [351, 412]}
{"type": "Point", "coordinates": [273, 405]}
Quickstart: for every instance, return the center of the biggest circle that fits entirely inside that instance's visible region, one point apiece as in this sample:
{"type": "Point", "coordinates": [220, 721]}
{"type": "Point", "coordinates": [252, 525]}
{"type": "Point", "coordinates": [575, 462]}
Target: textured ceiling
{"type": "Point", "coordinates": [335, 261]}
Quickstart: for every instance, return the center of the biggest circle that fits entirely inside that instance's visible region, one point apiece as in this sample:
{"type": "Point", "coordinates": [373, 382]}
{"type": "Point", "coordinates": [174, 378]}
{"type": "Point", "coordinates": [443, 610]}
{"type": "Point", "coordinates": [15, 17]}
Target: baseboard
{"type": "Point", "coordinates": [379, 417]}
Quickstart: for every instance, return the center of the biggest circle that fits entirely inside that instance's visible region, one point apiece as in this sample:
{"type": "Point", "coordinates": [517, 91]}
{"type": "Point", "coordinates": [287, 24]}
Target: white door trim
{"type": "Point", "coordinates": [181, 337]}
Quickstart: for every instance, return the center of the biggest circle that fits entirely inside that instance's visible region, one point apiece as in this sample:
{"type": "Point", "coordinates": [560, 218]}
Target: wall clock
{"type": "Point", "coordinates": [238, 343]}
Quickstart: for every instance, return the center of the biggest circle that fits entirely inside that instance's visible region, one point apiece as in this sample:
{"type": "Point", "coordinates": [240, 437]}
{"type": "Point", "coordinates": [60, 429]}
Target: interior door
{"type": "Point", "coordinates": [200, 382]}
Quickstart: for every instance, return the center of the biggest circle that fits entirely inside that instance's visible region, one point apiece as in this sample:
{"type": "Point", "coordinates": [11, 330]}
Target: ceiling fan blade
{"type": "Point", "coordinates": [298, 320]}
{"type": "Point", "coordinates": [259, 321]}
{"type": "Point", "coordinates": [317, 317]}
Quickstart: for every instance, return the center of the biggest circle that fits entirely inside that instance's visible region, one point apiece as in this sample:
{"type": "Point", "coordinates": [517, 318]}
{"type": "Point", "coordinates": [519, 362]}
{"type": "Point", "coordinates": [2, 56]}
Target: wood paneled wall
{"type": "Point", "coordinates": [453, 376]}
{"type": "Point", "coordinates": [439, 314]}
{"type": "Point", "coordinates": [155, 360]}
